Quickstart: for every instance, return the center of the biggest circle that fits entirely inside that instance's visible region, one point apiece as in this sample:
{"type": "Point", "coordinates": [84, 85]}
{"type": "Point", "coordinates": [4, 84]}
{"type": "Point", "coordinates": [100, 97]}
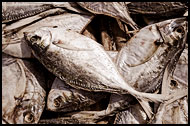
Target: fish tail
{"type": "Point", "coordinates": [152, 97]}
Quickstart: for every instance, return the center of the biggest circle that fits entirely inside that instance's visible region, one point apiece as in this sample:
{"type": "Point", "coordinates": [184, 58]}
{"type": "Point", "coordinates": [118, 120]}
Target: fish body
{"type": "Point", "coordinates": [23, 96]}
{"type": "Point", "coordinates": [16, 45]}
{"type": "Point", "coordinates": [80, 61]}
{"type": "Point", "coordinates": [157, 9]}
{"type": "Point", "coordinates": [148, 56]}
{"type": "Point", "coordinates": [165, 54]}
{"type": "Point", "coordinates": [113, 9]}
{"type": "Point", "coordinates": [64, 98]}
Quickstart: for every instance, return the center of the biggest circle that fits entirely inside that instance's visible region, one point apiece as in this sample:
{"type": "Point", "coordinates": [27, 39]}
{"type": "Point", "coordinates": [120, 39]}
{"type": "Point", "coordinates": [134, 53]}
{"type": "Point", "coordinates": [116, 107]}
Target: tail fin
{"type": "Point", "coordinates": [153, 97]}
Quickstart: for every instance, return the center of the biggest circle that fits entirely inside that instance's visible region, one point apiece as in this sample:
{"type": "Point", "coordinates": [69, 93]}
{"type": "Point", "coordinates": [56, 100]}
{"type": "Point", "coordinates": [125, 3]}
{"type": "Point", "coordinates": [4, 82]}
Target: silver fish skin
{"type": "Point", "coordinates": [64, 98]}
{"type": "Point", "coordinates": [164, 54]}
{"type": "Point", "coordinates": [81, 62]}
{"type": "Point", "coordinates": [164, 47]}
{"type": "Point", "coordinates": [16, 45]}
{"type": "Point", "coordinates": [23, 97]}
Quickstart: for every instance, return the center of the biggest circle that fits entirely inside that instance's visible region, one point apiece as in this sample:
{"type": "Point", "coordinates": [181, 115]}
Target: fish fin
{"type": "Point", "coordinates": [145, 105]}
{"type": "Point", "coordinates": [67, 47]}
{"type": "Point", "coordinates": [21, 84]}
{"type": "Point", "coordinates": [166, 82]}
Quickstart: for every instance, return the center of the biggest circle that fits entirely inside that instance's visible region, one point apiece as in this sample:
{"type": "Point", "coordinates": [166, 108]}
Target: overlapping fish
{"type": "Point", "coordinates": [159, 56]}
{"type": "Point", "coordinates": [80, 62]}
{"type": "Point", "coordinates": [23, 96]}
{"type": "Point", "coordinates": [64, 98]}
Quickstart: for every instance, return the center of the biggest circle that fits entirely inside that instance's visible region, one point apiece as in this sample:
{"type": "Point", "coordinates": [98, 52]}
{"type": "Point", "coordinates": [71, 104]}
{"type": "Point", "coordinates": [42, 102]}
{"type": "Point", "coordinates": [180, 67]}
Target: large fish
{"type": "Point", "coordinates": [141, 56]}
{"type": "Point", "coordinates": [23, 94]}
{"type": "Point", "coordinates": [148, 59]}
{"type": "Point", "coordinates": [81, 62]}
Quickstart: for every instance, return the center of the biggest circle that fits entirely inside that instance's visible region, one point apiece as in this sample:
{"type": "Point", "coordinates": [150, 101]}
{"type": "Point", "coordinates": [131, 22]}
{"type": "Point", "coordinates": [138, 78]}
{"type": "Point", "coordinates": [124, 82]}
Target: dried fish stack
{"type": "Point", "coordinates": [94, 62]}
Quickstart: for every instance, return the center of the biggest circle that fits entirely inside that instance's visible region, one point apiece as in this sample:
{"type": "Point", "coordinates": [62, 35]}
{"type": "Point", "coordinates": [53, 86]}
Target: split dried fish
{"type": "Point", "coordinates": [23, 97]}
{"type": "Point", "coordinates": [63, 98]}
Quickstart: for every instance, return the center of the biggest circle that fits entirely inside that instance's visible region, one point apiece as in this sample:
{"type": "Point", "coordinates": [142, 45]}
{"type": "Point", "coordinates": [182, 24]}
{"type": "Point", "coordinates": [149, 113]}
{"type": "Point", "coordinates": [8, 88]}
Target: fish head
{"type": "Point", "coordinates": [63, 101]}
{"type": "Point", "coordinates": [174, 32]}
{"type": "Point", "coordinates": [38, 40]}
{"type": "Point", "coordinates": [28, 111]}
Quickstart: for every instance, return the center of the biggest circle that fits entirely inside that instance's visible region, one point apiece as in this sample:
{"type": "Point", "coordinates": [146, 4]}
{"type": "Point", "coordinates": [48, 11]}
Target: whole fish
{"type": "Point", "coordinates": [63, 98]}
{"type": "Point", "coordinates": [23, 96]}
{"type": "Point", "coordinates": [147, 59]}
{"type": "Point", "coordinates": [149, 56]}
{"type": "Point", "coordinates": [81, 62]}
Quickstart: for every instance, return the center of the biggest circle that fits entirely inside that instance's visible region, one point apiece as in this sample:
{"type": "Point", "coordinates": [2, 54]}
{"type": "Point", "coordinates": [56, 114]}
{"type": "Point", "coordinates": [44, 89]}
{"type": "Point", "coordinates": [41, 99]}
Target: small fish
{"type": "Point", "coordinates": [81, 62]}
{"type": "Point", "coordinates": [23, 96]}
{"type": "Point", "coordinates": [63, 98]}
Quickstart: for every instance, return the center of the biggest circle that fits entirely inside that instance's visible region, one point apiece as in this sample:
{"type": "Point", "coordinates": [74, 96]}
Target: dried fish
{"type": "Point", "coordinates": [175, 111]}
{"type": "Point", "coordinates": [23, 97]}
{"type": "Point", "coordinates": [85, 53]}
{"type": "Point", "coordinates": [63, 98]}
{"type": "Point", "coordinates": [20, 49]}
{"type": "Point", "coordinates": [152, 79]}
{"type": "Point", "coordinates": [113, 9]}
{"type": "Point", "coordinates": [158, 9]}
{"type": "Point", "coordinates": [63, 120]}
{"type": "Point", "coordinates": [12, 11]}
{"type": "Point", "coordinates": [181, 71]}
{"type": "Point", "coordinates": [134, 115]}
{"type": "Point", "coordinates": [148, 56]}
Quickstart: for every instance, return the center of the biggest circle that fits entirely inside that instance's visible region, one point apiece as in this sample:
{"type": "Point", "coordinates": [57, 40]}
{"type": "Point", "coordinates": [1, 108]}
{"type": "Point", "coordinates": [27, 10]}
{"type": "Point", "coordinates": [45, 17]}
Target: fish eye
{"type": "Point", "coordinates": [29, 117]}
{"type": "Point", "coordinates": [34, 38]}
{"type": "Point", "coordinates": [179, 29]}
{"type": "Point", "coordinates": [57, 101]}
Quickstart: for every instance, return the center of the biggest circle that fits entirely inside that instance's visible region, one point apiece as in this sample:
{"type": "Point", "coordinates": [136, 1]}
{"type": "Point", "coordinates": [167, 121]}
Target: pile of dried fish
{"type": "Point", "coordinates": [94, 62]}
